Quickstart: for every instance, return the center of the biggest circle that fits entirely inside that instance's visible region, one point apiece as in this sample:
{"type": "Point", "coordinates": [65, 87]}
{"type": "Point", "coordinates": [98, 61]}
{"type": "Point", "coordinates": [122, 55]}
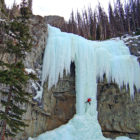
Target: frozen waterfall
{"type": "Point", "coordinates": [92, 59]}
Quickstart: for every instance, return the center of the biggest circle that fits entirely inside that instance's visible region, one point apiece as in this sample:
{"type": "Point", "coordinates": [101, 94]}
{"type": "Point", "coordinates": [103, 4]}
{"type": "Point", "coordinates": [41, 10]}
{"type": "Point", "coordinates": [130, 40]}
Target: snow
{"type": "Point", "coordinates": [2, 20]}
{"type": "Point", "coordinates": [127, 37]}
{"type": "Point", "coordinates": [34, 86]}
{"type": "Point", "coordinates": [92, 59]}
{"type": "Point", "coordinates": [29, 70]}
{"type": "Point", "coordinates": [39, 90]}
{"type": "Point", "coordinates": [115, 38]}
{"type": "Point", "coordinates": [12, 34]}
{"type": "Point", "coordinates": [135, 45]}
{"type": "Point", "coordinates": [39, 94]}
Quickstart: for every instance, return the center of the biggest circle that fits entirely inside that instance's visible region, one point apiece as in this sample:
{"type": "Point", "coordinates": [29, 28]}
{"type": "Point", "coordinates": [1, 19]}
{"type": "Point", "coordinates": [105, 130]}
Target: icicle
{"type": "Point", "coordinates": [112, 58]}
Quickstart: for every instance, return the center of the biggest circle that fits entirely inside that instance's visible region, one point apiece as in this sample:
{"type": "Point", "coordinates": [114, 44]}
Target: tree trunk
{"type": "Point", "coordinates": [3, 131]}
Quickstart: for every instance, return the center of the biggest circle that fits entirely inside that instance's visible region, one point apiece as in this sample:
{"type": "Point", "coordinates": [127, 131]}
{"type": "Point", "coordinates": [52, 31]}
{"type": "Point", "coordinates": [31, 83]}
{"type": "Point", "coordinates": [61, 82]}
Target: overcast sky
{"type": "Point", "coordinates": [62, 7]}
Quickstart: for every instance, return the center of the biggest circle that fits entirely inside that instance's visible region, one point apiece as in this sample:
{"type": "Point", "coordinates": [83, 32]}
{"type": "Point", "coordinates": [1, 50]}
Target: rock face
{"type": "Point", "coordinates": [118, 114]}
{"type": "Point", "coordinates": [60, 102]}
{"type": "Point", "coordinates": [55, 21]}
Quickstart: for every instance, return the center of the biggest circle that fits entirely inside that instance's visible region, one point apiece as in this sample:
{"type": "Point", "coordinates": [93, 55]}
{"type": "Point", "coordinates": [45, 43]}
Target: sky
{"type": "Point", "coordinates": [62, 7]}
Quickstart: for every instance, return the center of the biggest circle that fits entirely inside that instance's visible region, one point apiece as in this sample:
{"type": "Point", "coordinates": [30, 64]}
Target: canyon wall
{"type": "Point", "coordinates": [117, 113]}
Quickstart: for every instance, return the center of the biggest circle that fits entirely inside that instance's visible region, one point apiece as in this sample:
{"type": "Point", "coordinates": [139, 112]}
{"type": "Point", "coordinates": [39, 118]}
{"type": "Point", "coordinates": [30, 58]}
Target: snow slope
{"type": "Point", "coordinates": [92, 59]}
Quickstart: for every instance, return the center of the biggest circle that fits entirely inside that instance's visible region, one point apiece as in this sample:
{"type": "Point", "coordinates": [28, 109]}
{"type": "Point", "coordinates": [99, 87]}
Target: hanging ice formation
{"type": "Point", "coordinates": [92, 59]}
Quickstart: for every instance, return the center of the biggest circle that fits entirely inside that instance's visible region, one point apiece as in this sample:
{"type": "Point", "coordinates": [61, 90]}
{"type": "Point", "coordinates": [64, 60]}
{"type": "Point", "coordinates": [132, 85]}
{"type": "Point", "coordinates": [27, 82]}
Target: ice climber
{"type": "Point", "coordinates": [88, 101]}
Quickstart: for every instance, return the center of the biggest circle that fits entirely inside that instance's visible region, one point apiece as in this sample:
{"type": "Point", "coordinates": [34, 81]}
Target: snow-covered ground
{"type": "Point", "coordinates": [92, 59]}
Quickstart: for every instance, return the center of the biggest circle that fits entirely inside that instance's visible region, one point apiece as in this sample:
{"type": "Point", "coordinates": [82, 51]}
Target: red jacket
{"type": "Point", "coordinates": [89, 100]}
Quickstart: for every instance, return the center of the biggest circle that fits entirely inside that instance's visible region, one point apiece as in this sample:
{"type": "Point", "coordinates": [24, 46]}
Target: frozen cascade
{"type": "Point", "coordinates": [92, 59]}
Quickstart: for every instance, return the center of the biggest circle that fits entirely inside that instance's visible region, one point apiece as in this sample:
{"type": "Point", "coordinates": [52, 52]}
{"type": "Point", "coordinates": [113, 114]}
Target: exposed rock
{"type": "Point", "coordinates": [39, 33]}
{"type": "Point", "coordinates": [133, 42]}
{"type": "Point", "coordinates": [56, 21]}
{"type": "Point", "coordinates": [60, 102]}
{"type": "Point", "coordinates": [117, 113]}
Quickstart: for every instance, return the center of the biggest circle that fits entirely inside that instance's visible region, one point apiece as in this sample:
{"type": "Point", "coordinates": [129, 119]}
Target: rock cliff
{"type": "Point", "coordinates": [118, 114]}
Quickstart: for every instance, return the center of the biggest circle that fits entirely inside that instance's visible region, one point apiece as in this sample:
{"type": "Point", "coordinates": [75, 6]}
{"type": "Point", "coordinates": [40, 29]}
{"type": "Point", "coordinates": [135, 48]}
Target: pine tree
{"type": "Point", "coordinates": [121, 15]}
{"type": "Point", "coordinates": [80, 23]}
{"type": "Point", "coordinates": [98, 32]}
{"type": "Point", "coordinates": [92, 24]}
{"type": "Point", "coordinates": [127, 18]}
{"type": "Point", "coordinates": [13, 76]}
{"type": "Point", "coordinates": [123, 18]}
{"type": "Point", "coordinates": [138, 11]}
{"type": "Point", "coordinates": [85, 25]}
{"type": "Point", "coordinates": [30, 2]}
{"type": "Point", "coordinates": [72, 23]}
{"type": "Point", "coordinates": [112, 20]}
{"type": "Point", "coordinates": [102, 22]}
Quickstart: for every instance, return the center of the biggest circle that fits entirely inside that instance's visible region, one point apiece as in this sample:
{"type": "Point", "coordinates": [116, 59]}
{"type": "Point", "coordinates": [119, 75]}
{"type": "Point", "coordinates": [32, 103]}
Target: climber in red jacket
{"type": "Point", "coordinates": [88, 101]}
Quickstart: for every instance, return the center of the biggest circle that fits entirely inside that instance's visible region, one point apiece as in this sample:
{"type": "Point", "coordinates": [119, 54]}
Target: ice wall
{"type": "Point", "coordinates": [92, 59]}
